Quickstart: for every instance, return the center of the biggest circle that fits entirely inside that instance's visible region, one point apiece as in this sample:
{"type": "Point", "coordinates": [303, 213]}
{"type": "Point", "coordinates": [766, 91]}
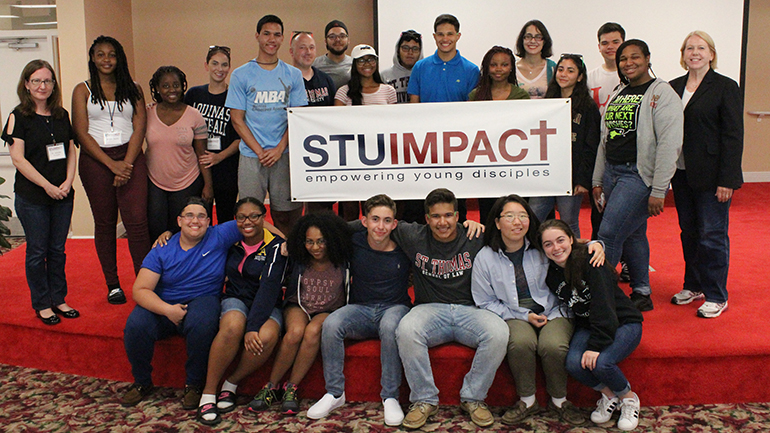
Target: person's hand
{"type": "Point", "coordinates": [119, 181]}
{"type": "Point", "coordinates": [723, 194]}
{"type": "Point", "coordinates": [176, 313]}
{"type": "Point", "coordinates": [253, 343]}
{"type": "Point", "coordinates": [162, 239]}
{"type": "Point", "coordinates": [537, 320]}
{"type": "Point", "coordinates": [208, 193]}
{"type": "Point", "coordinates": [122, 169]}
{"type": "Point", "coordinates": [598, 193]}
{"type": "Point", "coordinates": [589, 359]}
{"type": "Point", "coordinates": [597, 250]}
{"type": "Point", "coordinates": [579, 189]}
{"type": "Point", "coordinates": [270, 156]}
{"type": "Point", "coordinates": [655, 206]}
{"type": "Point", "coordinates": [209, 159]}
{"type": "Point", "coordinates": [54, 192]}
{"type": "Point", "coordinates": [474, 229]}
{"type": "Point", "coordinates": [284, 250]}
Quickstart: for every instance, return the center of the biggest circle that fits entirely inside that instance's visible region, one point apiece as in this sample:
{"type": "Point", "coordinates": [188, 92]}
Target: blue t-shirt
{"type": "Point", "coordinates": [435, 80]}
{"type": "Point", "coordinates": [199, 271]}
{"type": "Point", "coordinates": [264, 96]}
{"type": "Point", "coordinates": [378, 277]}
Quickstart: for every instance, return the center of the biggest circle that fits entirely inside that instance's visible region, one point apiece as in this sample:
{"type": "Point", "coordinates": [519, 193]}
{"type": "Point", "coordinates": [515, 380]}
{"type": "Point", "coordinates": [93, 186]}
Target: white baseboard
{"type": "Point", "coordinates": [756, 176]}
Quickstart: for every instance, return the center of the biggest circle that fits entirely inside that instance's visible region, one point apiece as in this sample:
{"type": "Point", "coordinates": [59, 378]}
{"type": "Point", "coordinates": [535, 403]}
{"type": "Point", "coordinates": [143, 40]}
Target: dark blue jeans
{"type": "Point", "coordinates": [199, 327]}
{"type": "Point", "coordinates": [606, 373]}
{"type": "Point", "coordinates": [705, 243]}
{"type": "Point", "coordinates": [46, 228]}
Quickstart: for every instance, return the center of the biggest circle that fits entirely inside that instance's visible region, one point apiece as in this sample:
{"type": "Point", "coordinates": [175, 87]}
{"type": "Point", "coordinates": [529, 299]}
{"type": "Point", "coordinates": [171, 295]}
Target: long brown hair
{"type": "Point", "coordinates": [484, 88]}
{"type": "Point", "coordinates": [27, 105]}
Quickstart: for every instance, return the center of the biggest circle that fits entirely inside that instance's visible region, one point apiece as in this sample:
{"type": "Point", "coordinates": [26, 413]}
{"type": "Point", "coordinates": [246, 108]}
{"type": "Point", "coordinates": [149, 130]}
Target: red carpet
{"type": "Point", "coordinates": [681, 360]}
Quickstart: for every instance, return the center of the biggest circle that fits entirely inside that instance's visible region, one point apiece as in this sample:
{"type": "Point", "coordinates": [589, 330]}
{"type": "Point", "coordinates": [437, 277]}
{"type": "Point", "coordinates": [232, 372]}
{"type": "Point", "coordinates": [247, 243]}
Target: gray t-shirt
{"type": "Point", "coordinates": [340, 72]}
{"type": "Point", "coordinates": [441, 270]}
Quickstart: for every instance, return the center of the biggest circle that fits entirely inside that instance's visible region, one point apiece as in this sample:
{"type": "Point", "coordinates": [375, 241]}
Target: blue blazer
{"type": "Point", "coordinates": [713, 133]}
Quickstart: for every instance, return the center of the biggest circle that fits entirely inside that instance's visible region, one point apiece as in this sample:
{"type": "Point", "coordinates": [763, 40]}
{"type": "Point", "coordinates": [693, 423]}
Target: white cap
{"type": "Point", "coordinates": [363, 50]}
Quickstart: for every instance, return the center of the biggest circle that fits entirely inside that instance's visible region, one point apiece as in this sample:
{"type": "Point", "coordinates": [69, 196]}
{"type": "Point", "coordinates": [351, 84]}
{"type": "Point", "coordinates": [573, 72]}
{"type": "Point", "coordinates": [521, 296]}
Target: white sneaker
{"type": "Point", "coordinates": [629, 414]}
{"type": "Point", "coordinates": [686, 296]}
{"type": "Point", "coordinates": [394, 415]}
{"type": "Point", "coordinates": [709, 310]}
{"type": "Point", "coordinates": [604, 409]}
{"type": "Point", "coordinates": [326, 404]}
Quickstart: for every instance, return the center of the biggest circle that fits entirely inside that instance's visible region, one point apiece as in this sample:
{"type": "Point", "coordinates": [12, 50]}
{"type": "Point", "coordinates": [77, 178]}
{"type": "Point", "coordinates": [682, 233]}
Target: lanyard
{"type": "Point", "coordinates": [112, 114]}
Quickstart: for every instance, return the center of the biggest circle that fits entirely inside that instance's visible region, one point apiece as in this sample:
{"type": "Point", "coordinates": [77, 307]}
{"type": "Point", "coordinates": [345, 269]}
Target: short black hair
{"type": "Point", "coordinates": [609, 28]}
{"type": "Point", "coordinates": [492, 235]}
{"type": "Point", "coordinates": [440, 195]}
{"type": "Point", "coordinates": [155, 81]}
{"type": "Point", "coordinates": [547, 50]}
{"type": "Point", "coordinates": [446, 19]}
{"type": "Point", "coordinates": [251, 200]}
{"type": "Point", "coordinates": [194, 200]}
{"type": "Point", "coordinates": [269, 19]}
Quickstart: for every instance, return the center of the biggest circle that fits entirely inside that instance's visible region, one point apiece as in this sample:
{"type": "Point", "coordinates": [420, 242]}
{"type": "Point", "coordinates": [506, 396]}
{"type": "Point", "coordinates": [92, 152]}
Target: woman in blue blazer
{"type": "Point", "coordinates": [708, 171]}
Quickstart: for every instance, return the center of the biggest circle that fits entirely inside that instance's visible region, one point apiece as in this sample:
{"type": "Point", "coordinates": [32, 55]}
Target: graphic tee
{"type": "Point", "coordinates": [322, 291]}
{"type": "Point", "coordinates": [621, 120]}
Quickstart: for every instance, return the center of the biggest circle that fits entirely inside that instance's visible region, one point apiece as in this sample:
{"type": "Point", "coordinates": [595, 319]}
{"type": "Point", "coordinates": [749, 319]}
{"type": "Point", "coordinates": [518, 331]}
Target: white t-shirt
{"type": "Point", "coordinates": [601, 83]}
{"type": "Point", "coordinates": [383, 96]}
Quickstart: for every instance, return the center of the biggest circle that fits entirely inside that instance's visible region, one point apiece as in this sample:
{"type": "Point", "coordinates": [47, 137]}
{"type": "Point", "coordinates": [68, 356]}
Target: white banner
{"type": "Point", "coordinates": [475, 149]}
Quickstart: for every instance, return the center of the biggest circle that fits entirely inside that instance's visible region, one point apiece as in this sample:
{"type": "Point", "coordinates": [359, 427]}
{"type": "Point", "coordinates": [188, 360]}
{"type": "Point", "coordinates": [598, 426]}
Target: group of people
{"type": "Point", "coordinates": [523, 289]}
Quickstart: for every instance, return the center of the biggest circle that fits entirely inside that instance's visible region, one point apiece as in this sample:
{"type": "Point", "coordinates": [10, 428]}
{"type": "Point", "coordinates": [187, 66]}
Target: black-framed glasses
{"type": "Point", "coordinates": [219, 48]}
{"type": "Point", "coordinates": [368, 59]}
{"type": "Point", "coordinates": [407, 48]}
{"type": "Point", "coordinates": [538, 37]}
{"type": "Point", "coordinates": [253, 217]}
{"type": "Point", "coordinates": [295, 33]}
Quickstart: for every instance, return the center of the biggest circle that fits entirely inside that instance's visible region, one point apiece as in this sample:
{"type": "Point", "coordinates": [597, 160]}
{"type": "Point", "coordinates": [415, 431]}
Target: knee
{"type": "Point", "coordinates": [230, 333]}
{"type": "Point", "coordinates": [406, 333]}
{"type": "Point", "coordinates": [573, 363]}
{"type": "Point", "coordinates": [519, 346]}
{"type": "Point", "coordinates": [497, 333]}
{"type": "Point", "coordinates": [294, 335]}
{"type": "Point", "coordinates": [312, 333]}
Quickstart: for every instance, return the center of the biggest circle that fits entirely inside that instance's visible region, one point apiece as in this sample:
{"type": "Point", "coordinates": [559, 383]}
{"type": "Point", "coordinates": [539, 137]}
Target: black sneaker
{"type": "Point", "coordinates": [642, 302]}
{"type": "Point", "coordinates": [115, 296]}
{"type": "Point", "coordinates": [624, 277]}
{"type": "Point", "coordinates": [290, 405]}
{"type": "Point", "coordinates": [263, 400]}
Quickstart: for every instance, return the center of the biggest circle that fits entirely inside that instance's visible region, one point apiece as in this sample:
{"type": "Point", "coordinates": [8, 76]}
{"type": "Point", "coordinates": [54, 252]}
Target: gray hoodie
{"type": "Point", "coordinates": [398, 76]}
{"type": "Point", "coordinates": [658, 137]}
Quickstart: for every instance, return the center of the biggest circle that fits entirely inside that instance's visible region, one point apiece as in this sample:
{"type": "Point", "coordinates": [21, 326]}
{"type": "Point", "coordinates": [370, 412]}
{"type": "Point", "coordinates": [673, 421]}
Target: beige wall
{"type": "Point", "coordinates": [179, 32]}
{"type": "Point", "coordinates": [756, 158]}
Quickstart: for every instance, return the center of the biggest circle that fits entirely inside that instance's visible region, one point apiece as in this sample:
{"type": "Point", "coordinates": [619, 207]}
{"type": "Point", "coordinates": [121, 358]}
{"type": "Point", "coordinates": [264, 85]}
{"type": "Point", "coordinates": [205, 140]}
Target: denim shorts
{"type": "Point", "coordinates": [235, 304]}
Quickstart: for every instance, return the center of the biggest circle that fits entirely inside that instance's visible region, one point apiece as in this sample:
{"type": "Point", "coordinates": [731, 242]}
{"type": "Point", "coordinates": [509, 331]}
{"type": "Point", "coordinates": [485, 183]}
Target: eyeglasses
{"type": "Point", "coordinates": [223, 48]}
{"type": "Point", "coordinates": [37, 82]}
{"type": "Point", "coordinates": [367, 59]}
{"type": "Point", "coordinates": [538, 37]}
{"type": "Point", "coordinates": [408, 49]}
{"type": "Point", "coordinates": [295, 33]}
{"type": "Point", "coordinates": [334, 37]}
{"type": "Point", "coordinates": [191, 216]}
{"type": "Point", "coordinates": [320, 242]}
{"type": "Point", "coordinates": [253, 217]}
{"type": "Point", "coordinates": [509, 217]}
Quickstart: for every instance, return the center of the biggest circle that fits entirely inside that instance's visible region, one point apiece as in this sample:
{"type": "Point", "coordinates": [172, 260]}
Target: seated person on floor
{"type": "Point", "coordinates": [250, 306]}
{"type": "Point", "coordinates": [177, 292]}
{"type": "Point", "coordinates": [379, 298]}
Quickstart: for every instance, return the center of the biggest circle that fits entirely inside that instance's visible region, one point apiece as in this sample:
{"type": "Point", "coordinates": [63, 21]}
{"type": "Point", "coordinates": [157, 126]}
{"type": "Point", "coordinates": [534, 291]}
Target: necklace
{"type": "Point", "coordinates": [267, 63]}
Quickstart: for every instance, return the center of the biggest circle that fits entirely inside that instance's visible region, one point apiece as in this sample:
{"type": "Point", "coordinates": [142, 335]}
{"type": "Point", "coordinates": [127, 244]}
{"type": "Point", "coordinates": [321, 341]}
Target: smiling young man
{"type": "Point", "coordinates": [260, 93]}
{"type": "Point", "coordinates": [603, 80]}
{"type": "Point", "coordinates": [177, 292]}
{"type": "Point", "coordinates": [378, 301]}
{"type": "Point", "coordinates": [442, 260]}
{"type": "Point", "coordinates": [335, 62]}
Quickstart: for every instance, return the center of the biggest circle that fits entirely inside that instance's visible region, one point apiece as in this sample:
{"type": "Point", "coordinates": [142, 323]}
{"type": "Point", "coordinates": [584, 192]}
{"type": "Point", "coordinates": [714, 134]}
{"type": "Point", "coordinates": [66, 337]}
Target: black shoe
{"type": "Point", "coordinates": [53, 320]}
{"type": "Point", "coordinates": [116, 296]}
{"type": "Point", "coordinates": [624, 277]}
{"type": "Point", "coordinates": [642, 302]}
{"type": "Point", "coordinates": [69, 314]}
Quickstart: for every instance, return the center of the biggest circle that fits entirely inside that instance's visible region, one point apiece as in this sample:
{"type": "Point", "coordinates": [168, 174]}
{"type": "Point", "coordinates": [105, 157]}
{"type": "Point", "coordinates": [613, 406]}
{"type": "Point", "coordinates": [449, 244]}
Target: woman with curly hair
{"type": "Point", "coordinates": [176, 138]}
{"type": "Point", "coordinates": [320, 248]}
{"type": "Point", "coordinates": [109, 118]}
{"type": "Point", "coordinates": [497, 83]}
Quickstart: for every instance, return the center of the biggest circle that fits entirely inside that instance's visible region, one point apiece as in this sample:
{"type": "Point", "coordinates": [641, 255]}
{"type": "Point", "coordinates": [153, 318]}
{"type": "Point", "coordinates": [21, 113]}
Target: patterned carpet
{"type": "Point", "coordinates": [40, 401]}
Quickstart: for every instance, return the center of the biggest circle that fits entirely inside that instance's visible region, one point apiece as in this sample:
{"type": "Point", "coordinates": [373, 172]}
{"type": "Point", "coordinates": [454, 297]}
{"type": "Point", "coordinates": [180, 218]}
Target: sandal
{"type": "Point", "coordinates": [207, 409]}
{"type": "Point", "coordinates": [226, 397]}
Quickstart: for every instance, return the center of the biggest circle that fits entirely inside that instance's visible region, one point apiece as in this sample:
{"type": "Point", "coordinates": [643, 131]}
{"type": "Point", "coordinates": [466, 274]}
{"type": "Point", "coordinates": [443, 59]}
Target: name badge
{"type": "Point", "coordinates": [55, 152]}
{"type": "Point", "coordinates": [113, 138]}
{"type": "Point", "coordinates": [214, 143]}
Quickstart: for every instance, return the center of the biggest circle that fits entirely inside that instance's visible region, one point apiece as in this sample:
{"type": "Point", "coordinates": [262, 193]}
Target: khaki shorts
{"type": "Point", "coordinates": [256, 180]}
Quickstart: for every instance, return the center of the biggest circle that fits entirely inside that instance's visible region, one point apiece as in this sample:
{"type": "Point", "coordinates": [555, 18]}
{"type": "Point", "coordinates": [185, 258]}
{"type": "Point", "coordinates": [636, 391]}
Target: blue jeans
{"type": "Point", "coordinates": [199, 327]}
{"type": "Point", "coordinates": [606, 373]}
{"type": "Point", "coordinates": [361, 322]}
{"type": "Point", "coordinates": [428, 325]}
{"type": "Point", "coordinates": [705, 243]}
{"type": "Point", "coordinates": [45, 227]}
{"type": "Point", "coordinates": [624, 224]}
{"type": "Point", "coordinates": [568, 206]}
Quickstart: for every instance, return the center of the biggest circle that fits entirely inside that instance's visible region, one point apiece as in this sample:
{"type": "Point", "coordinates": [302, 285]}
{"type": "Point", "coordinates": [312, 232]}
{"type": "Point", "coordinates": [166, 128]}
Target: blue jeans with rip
{"type": "Point", "coordinates": [428, 325]}
{"type": "Point", "coordinates": [361, 322]}
{"type": "Point", "coordinates": [624, 224]}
